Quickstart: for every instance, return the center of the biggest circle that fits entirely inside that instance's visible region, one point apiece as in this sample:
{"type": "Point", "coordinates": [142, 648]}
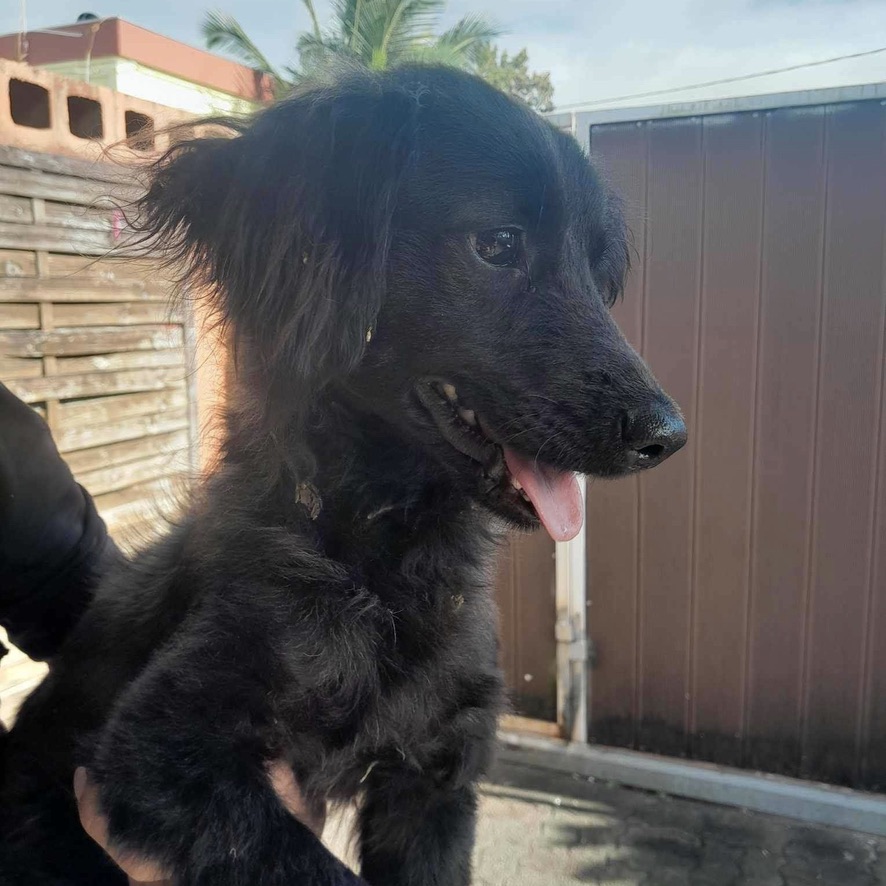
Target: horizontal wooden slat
{"type": "Point", "coordinates": [19, 316]}
{"type": "Point", "coordinates": [13, 367]}
{"type": "Point", "coordinates": [151, 523]}
{"type": "Point", "coordinates": [115, 477]}
{"type": "Point", "coordinates": [134, 533]}
{"type": "Point", "coordinates": [81, 191]}
{"type": "Point", "coordinates": [17, 263]}
{"type": "Point", "coordinates": [514, 723]}
{"type": "Point", "coordinates": [154, 501]}
{"type": "Point", "coordinates": [120, 268]}
{"type": "Point", "coordinates": [54, 238]}
{"type": "Point", "coordinates": [98, 340]}
{"type": "Point", "coordinates": [146, 495]}
{"type": "Point", "coordinates": [118, 314]}
{"type": "Point", "coordinates": [78, 289]}
{"type": "Point", "coordinates": [108, 409]}
{"type": "Point", "coordinates": [140, 522]}
{"type": "Point", "coordinates": [86, 218]}
{"type": "Point", "coordinates": [83, 436]}
{"type": "Point", "coordinates": [56, 164]}
{"type": "Point", "coordinates": [120, 372]}
{"type": "Point", "coordinates": [91, 384]}
{"type": "Point", "coordinates": [16, 209]}
{"type": "Point", "coordinates": [115, 454]}
{"type": "Point", "coordinates": [122, 360]}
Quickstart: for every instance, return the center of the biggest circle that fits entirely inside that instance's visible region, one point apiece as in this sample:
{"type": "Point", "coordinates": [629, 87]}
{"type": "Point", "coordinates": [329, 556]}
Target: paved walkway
{"type": "Point", "coordinates": [539, 828]}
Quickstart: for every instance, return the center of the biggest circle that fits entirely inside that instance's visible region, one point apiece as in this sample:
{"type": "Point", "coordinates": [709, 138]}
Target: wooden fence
{"type": "Point", "coordinates": [89, 340]}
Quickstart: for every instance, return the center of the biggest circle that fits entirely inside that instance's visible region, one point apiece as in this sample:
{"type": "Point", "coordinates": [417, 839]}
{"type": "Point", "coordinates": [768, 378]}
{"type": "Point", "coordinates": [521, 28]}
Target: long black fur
{"type": "Point", "coordinates": [326, 600]}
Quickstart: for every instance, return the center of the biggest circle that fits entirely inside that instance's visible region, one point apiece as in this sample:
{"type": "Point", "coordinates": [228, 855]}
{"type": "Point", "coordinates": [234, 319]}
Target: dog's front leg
{"type": "Point", "coordinates": [418, 818]}
{"type": "Point", "coordinates": [181, 770]}
{"type": "Point", "coordinates": [416, 832]}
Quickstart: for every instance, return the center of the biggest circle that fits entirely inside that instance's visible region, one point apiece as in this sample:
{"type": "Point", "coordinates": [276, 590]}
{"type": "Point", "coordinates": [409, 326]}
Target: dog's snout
{"type": "Point", "coordinates": [653, 433]}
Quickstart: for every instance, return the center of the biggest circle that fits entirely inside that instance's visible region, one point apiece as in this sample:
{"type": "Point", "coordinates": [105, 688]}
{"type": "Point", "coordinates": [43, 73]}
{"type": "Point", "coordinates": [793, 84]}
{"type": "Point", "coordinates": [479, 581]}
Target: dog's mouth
{"type": "Point", "coordinates": [520, 488]}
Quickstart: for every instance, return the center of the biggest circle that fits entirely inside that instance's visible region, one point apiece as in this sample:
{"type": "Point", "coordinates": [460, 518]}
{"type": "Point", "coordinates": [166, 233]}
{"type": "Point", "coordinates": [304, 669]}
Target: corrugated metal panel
{"type": "Point", "coordinates": [850, 369]}
{"type": "Point", "coordinates": [724, 433]}
{"type": "Point", "coordinates": [525, 594]}
{"type": "Point", "coordinates": [793, 209]}
{"type": "Point", "coordinates": [737, 592]}
{"type": "Point", "coordinates": [613, 523]}
{"type": "Point", "coordinates": [671, 313]}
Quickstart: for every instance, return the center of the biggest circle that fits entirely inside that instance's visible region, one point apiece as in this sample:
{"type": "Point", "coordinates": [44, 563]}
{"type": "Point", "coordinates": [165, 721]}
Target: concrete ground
{"type": "Point", "coordinates": [539, 828]}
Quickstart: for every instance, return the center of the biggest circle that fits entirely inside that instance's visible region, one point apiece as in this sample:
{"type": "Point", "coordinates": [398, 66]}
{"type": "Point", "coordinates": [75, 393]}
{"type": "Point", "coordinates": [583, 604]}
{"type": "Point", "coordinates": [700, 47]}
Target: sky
{"type": "Point", "coordinates": [595, 50]}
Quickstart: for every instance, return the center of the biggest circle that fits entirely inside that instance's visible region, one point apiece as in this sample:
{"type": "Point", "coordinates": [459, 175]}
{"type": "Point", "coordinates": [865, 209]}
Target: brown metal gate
{"type": "Point", "coordinates": [525, 594]}
{"type": "Point", "coordinates": [738, 593]}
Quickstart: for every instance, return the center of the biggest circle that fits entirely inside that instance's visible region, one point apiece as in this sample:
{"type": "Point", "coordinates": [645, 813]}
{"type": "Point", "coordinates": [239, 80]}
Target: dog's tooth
{"type": "Point", "coordinates": [449, 390]}
{"type": "Point", "coordinates": [516, 484]}
{"type": "Point", "coordinates": [468, 416]}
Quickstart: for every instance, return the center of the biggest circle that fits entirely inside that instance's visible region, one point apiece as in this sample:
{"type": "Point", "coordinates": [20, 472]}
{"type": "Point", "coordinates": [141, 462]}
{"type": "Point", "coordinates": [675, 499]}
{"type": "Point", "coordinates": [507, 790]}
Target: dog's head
{"type": "Point", "coordinates": [444, 259]}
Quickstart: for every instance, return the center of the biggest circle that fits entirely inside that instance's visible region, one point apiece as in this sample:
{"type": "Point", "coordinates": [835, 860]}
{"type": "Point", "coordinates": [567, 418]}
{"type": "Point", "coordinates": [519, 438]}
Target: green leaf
{"type": "Point", "coordinates": [382, 34]}
{"type": "Point", "coordinates": [511, 74]}
{"type": "Point", "coordinates": [221, 31]}
{"type": "Point", "coordinates": [309, 5]}
{"type": "Point", "coordinates": [467, 37]}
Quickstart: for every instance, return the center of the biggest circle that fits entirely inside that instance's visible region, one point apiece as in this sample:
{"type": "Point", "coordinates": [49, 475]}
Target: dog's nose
{"type": "Point", "coordinates": [653, 434]}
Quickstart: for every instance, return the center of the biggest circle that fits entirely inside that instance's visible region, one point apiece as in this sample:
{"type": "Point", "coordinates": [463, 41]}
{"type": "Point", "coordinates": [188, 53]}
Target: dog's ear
{"type": "Point", "coordinates": [289, 224]}
{"type": "Point", "coordinates": [612, 265]}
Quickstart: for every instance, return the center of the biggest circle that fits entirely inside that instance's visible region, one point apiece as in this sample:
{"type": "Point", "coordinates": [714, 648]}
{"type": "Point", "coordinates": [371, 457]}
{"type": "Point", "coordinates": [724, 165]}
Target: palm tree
{"type": "Point", "coordinates": [379, 34]}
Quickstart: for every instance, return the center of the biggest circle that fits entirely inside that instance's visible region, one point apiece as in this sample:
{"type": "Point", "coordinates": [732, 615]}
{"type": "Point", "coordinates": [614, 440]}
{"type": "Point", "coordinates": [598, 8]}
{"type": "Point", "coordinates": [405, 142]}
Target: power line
{"type": "Point", "coordinates": [725, 80]}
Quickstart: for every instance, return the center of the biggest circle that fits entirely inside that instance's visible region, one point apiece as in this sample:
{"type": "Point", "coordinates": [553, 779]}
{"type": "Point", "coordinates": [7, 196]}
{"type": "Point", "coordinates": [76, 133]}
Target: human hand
{"type": "Point", "coordinates": [144, 872]}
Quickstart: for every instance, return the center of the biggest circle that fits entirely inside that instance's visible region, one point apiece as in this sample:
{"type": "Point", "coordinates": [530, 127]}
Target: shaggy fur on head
{"type": "Point", "coordinates": [417, 272]}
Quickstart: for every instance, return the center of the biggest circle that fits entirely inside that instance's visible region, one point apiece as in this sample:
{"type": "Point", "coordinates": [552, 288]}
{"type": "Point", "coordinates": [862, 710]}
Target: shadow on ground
{"type": "Point", "coordinates": [539, 828]}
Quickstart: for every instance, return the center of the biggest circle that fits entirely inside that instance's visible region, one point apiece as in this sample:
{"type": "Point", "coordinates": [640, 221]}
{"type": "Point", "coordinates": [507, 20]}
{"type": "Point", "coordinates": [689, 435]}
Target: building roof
{"type": "Point", "coordinates": [578, 122]}
{"type": "Point", "coordinates": [116, 38]}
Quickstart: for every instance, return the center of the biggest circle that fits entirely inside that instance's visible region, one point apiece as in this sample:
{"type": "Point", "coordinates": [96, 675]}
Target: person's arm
{"type": "Point", "coordinates": [144, 871]}
{"type": "Point", "coordinates": [54, 547]}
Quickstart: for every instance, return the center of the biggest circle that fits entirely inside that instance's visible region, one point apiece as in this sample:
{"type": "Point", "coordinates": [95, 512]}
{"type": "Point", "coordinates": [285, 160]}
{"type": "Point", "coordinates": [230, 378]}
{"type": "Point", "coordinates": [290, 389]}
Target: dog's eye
{"type": "Point", "coordinates": [500, 247]}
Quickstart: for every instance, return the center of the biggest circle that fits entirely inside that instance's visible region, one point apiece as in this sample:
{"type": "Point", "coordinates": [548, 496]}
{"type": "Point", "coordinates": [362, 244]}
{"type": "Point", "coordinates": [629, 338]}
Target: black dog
{"type": "Point", "coordinates": [417, 272]}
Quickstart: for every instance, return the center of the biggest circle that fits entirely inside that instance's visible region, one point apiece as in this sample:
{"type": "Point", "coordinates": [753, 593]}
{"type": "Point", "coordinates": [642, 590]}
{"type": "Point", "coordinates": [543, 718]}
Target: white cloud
{"type": "Point", "coordinates": [594, 49]}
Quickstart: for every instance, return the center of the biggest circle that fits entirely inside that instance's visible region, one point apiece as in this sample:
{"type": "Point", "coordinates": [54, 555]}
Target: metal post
{"type": "Point", "coordinates": [582, 131]}
{"type": "Point", "coordinates": [571, 630]}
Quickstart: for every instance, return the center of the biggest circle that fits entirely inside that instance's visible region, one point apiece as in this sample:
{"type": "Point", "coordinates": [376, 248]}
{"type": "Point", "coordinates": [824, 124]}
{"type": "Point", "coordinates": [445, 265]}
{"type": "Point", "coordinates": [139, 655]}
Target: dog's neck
{"type": "Point", "coordinates": [368, 474]}
{"type": "Point", "coordinates": [359, 487]}
{"type": "Point", "coordinates": [389, 512]}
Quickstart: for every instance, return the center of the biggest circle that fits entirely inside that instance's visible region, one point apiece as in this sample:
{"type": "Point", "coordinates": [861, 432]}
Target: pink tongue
{"type": "Point", "coordinates": [555, 494]}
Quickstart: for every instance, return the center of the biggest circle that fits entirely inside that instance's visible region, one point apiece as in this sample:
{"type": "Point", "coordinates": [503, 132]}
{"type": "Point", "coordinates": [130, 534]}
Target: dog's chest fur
{"type": "Point", "coordinates": [402, 665]}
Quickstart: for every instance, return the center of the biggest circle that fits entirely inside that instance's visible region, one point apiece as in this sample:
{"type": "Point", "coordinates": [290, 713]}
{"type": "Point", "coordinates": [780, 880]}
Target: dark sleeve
{"type": "Point", "coordinates": [54, 547]}
{"type": "Point", "coordinates": [40, 603]}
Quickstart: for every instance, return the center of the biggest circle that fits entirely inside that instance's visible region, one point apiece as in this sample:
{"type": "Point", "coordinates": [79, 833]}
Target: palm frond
{"type": "Point", "coordinates": [408, 22]}
{"type": "Point", "coordinates": [309, 5]}
{"type": "Point", "coordinates": [353, 26]}
{"type": "Point", "coordinates": [221, 31]}
{"type": "Point", "coordinates": [375, 33]}
{"type": "Point", "coordinates": [428, 53]}
{"type": "Point", "coordinates": [319, 54]}
{"type": "Point", "coordinates": [467, 36]}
